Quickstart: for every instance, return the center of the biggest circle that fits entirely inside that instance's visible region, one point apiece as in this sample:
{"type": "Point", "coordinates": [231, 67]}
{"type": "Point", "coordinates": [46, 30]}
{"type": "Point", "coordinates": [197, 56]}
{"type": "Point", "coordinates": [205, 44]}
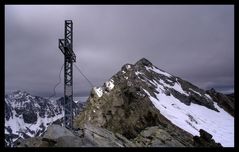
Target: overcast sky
{"type": "Point", "coordinates": [195, 43]}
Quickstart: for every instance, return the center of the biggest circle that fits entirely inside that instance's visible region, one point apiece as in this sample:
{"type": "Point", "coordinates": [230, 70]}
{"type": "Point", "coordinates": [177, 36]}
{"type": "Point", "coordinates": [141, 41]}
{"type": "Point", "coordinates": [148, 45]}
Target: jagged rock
{"type": "Point", "coordinates": [205, 135]}
{"type": "Point", "coordinates": [231, 96]}
{"type": "Point", "coordinates": [205, 140]}
{"type": "Point", "coordinates": [224, 101]}
{"type": "Point", "coordinates": [144, 62]}
{"type": "Point", "coordinates": [118, 111]}
{"type": "Point", "coordinates": [29, 117]}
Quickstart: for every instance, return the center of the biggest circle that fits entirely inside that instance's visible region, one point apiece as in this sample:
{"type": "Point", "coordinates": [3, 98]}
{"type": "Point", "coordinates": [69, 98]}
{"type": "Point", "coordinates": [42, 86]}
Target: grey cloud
{"type": "Point", "coordinates": [193, 42]}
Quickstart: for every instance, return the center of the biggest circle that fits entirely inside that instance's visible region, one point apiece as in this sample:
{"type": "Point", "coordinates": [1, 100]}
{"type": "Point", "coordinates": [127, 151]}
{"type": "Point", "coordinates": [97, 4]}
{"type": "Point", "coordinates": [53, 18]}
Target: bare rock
{"type": "Point", "coordinates": [56, 131]}
{"type": "Point", "coordinates": [205, 140]}
{"type": "Point", "coordinates": [157, 137]}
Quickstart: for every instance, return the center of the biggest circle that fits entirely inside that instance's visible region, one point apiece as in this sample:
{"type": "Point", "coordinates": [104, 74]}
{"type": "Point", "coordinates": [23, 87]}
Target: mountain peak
{"type": "Point", "coordinates": [144, 62]}
{"type": "Point", "coordinates": [19, 92]}
{"type": "Point", "coordinates": [145, 96]}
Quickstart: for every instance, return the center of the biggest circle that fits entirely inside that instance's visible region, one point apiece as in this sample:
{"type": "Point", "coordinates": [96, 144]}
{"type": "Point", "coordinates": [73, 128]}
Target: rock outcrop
{"type": "Point", "coordinates": [224, 101]}
{"type": "Point", "coordinates": [205, 140]}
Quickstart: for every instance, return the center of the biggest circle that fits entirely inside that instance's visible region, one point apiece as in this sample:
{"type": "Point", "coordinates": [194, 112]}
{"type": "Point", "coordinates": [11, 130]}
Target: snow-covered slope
{"type": "Point", "coordinates": [192, 117]}
{"type": "Point", "coordinates": [195, 117]}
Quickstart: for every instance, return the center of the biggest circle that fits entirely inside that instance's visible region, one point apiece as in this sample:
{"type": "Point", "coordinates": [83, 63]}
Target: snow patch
{"type": "Point", "coordinates": [137, 73]}
{"type": "Point", "coordinates": [158, 71]}
{"type": "Point", "coordinates": [98, 91]}
{"type": "Point", "coordinates": [195, 91]}
{"type": "Point", "coordinates": [110, 84]}
{"type": "Point", "coordinates": [165, 84]}
{"type": "Point", "coordinates": [178, 88]}
{"type": "Point", "coordinates": [208, 96]}
{"type": "Point", "coordinates": [128, 66]}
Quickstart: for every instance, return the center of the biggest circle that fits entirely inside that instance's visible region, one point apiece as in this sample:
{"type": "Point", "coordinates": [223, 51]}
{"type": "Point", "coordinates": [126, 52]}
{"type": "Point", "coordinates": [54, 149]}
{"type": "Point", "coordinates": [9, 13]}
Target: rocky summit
{"type": "Point", "coordinates": [144, 106]}
{"type": "Point", "coordinates": [142, 98]}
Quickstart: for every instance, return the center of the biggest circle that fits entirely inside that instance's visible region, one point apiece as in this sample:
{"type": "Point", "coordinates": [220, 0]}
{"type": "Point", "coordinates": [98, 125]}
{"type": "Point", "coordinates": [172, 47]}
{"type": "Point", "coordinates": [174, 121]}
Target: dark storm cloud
{"type": "Point", "coordinates": [192, 42]}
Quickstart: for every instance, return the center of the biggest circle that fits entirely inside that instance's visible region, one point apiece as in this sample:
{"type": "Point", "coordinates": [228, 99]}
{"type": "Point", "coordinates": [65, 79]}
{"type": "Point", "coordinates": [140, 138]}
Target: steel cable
{"type": "Point", "coordinates": [84, 75]}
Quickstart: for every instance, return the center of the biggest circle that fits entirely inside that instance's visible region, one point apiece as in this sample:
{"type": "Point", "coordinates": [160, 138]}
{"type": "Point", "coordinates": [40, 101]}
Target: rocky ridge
{"type": "Point", "coordinates": [124, 103]}
{"type": "Point", "coordinates": [224, 101]}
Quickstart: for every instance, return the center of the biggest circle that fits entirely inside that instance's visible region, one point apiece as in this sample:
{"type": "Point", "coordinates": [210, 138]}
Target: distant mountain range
{"type": "Point", "coordinates": [29, 116]}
